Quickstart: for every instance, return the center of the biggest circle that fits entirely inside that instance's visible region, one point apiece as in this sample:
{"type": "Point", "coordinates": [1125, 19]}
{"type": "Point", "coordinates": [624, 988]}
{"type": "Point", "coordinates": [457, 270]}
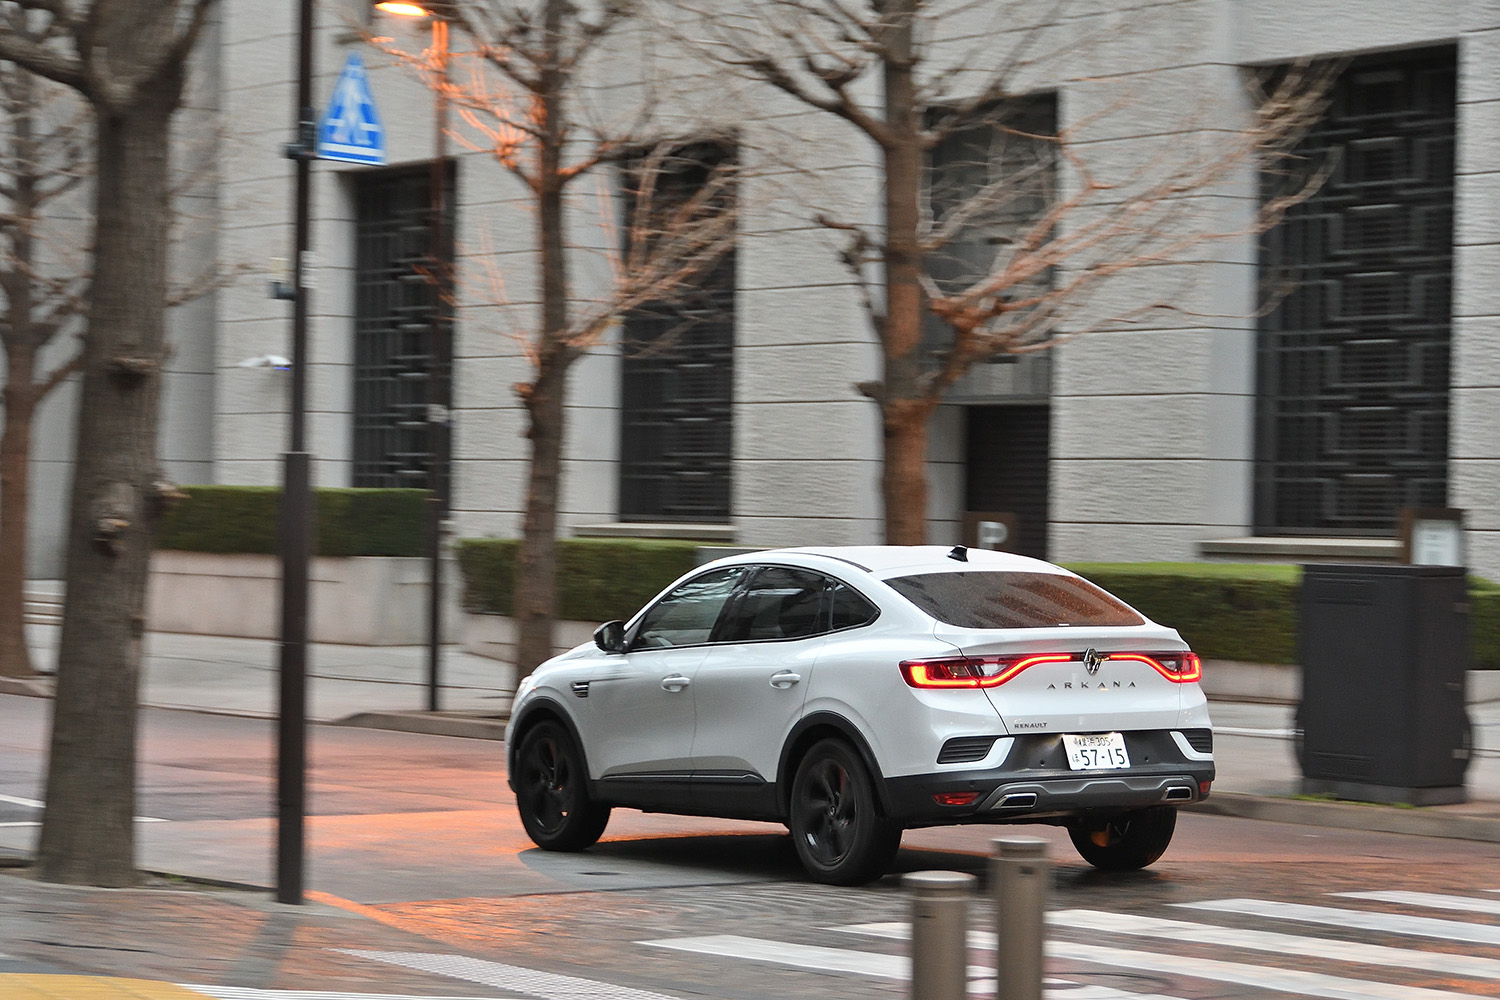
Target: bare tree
{"type": "Point", "coordinates": [525, 100]}
{"type": "Point", "coordinates": [127, 59]}
{"type": "Point", "coordinates": [1000, 252]}
{"type": "Point", "coordinates": [42, 281]}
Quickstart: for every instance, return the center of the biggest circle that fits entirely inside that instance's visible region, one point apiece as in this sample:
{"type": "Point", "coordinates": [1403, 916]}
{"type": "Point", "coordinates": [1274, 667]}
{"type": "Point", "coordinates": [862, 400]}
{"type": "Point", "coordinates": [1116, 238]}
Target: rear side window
{"type": "Point", "coordinates": [1012, 600]}
{"type": "Point", "coordinates": [780, 603]}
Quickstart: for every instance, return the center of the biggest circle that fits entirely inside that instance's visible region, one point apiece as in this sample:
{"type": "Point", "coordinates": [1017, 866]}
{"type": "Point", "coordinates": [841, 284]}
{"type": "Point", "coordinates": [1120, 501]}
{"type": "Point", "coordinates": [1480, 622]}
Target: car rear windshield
{"type": "Point", "coordinates": [980, 599]}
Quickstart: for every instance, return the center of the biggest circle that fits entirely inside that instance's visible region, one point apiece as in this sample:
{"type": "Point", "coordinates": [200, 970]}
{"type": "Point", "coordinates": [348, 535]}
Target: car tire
{"type": "Point", "coordinates": [552, 791]}
{"type": "Point", "coordinates": [1126, 842]}
{"type": "Point", "coordinates": [839, 832]}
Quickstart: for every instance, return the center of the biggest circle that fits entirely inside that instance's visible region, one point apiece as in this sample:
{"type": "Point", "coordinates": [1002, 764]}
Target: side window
{"type": "Point", "coordinates": [686, 615]}
{"type": "Point", "coordinates": [779, 603]}
{"type": "Point", "coordinates": [850, 607]}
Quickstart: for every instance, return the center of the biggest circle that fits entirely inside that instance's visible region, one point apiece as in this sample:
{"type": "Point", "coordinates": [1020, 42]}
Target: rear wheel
{"type": "Point", "coordinates": [552, 791]}
{"type": "Point", "coordinates": [840, 835]}
{"type": "Point", "coordinates": [1125, 842]}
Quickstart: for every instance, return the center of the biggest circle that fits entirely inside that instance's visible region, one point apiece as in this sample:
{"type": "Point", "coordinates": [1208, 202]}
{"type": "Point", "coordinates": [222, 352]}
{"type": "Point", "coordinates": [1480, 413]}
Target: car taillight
{"type": "Point", "coordinates": [1182, 668]}
{"type": "Point", "coordinates": [992, 671]}
{"type": "Point", "coordinates": [972, 671]}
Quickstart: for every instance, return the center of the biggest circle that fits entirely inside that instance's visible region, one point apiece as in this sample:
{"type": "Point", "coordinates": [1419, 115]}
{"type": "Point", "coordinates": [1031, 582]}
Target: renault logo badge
{"type": "Point", "coordinates": [1091, 661]}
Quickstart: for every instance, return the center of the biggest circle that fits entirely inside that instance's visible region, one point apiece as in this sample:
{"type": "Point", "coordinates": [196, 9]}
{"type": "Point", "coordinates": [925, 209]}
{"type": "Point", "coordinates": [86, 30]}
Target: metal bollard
{"type": "Point", "coordinates": [1019, 877]}
{"type": "Point", "coordinates": [939, 934]}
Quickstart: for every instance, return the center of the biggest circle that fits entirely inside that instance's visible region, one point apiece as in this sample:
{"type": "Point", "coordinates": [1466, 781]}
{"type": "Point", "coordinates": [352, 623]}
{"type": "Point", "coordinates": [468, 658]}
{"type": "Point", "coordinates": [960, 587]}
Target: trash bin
{"type": "Point", "coordinates": [1384, 652]}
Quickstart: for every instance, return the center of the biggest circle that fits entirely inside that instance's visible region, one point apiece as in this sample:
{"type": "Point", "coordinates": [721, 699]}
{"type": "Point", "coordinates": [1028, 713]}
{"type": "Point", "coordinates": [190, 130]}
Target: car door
{"type": "Point", "coordinates": [750, 687]}
{"type": "Point", "coordinates": [639, 704]}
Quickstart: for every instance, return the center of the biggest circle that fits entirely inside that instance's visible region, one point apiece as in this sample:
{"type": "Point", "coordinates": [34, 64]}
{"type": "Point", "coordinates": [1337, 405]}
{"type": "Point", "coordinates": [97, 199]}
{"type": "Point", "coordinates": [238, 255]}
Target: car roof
{"type": "Point", "coordinates": [883, 561]}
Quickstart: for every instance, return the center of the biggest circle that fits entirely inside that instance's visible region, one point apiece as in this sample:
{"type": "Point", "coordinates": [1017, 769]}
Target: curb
{"type": "Point", "coordinates": [40, 686]}
{"type": "Point", "coordinates": [465, 724]}
{"type": "Point", "coordinates": [1420, 821]}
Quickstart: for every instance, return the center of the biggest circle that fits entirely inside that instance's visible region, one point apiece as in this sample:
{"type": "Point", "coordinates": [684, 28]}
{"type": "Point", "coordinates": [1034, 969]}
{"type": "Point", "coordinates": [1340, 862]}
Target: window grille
{"type": "Point", "coordinates": [396, 312]}
{"type": "Point", "coordinates": [677, 386]}
{"type": "Point", "coordinates": [1353, 363]}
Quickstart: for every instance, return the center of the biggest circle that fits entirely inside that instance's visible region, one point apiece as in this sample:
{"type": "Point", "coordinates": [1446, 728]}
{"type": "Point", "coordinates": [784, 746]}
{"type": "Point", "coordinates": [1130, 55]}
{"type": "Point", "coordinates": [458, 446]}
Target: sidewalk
{"type": "Point", "coordinates": [386, 687]}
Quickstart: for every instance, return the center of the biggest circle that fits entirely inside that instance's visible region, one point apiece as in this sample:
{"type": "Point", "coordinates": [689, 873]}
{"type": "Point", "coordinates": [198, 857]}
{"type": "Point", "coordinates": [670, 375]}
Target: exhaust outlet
{"type": "Point", "coordinates": [1018, 800]}
{"type": "Point", "coordinates": [1178, 793]}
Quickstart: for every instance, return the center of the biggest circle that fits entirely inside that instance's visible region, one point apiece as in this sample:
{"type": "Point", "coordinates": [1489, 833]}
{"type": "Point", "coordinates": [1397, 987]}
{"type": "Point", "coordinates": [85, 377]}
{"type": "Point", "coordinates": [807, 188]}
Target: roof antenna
{"type": "Point", "coordinates": [959, 552]}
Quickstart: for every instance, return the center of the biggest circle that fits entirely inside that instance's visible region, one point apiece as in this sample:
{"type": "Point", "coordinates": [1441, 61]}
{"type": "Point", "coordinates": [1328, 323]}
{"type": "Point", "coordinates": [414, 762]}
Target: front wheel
{"type": "Point", "coordinates": [552, 791]}
{"type": "Point", "coordinates": [841, 837]}
{"type": "Point", "coordinates": [1126, 842]}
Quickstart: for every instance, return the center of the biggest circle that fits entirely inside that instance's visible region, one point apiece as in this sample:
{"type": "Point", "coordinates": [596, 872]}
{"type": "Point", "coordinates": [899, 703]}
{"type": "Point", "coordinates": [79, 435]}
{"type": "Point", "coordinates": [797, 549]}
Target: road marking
{"type": "Point", "coordinates": [18, 986]}
{"type": "Point", "coordinates": [1313, 984]}
{"type": "Point", "coordinates": [1390, 923]}
{"type": "Point", "coordinates": [16, 800]}
{"type": "Point", "coordinates": [245, 993]}
{"type": "Point", "coordinates": [546, 985]}
{"type": "Point", "coordinates": [28, 803]}
{"type": "Point", "coordinates": [1434, 900]}
{"type": "Point", "coordinates": [866, 963]}
{"type": "Point", "coordinates": [1278, 734]}
{"type": "Point", "coordinates": [1472, 966]}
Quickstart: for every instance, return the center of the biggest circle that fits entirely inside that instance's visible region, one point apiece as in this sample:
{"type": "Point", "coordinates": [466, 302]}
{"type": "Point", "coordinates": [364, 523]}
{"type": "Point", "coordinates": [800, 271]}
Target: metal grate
{"type": "Point", "coordinates": [395, 311]}
{"type": "Point", "coordinates": [966, 749]}
{"type": "Point", "coordinates": [677, 394]}
{"type": "Point", "coordinates": [1353, 362]}
{"type": "Point", "coordinates": [1201, 740]}
{"type": "Point", "coordinates": [1008, 468]}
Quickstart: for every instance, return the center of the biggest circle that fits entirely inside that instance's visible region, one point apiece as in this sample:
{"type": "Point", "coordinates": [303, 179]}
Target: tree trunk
{"type": "Point", "coordinates": [545, 398]}
{"type": "Point", "coordinates": [87, 827]}
{"type": "Point", "coordinates": [904, 409]}
{"type": "Point", "coordinates": [536, 567]}
{"type": "Point", "coordinates": [15, 475]}
{"type": "Point", "coordinates": [903, 479]}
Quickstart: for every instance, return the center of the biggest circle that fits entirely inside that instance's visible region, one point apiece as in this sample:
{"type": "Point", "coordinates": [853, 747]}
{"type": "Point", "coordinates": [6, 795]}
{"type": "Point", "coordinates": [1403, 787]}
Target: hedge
{"type": "Point", "coordinates": [598, 579]}
{"type": "Point", "coordinates": [1249, 611]}
{"type": "Point", "coordinates": [347, 522]}
{"type": "Point", "coordinates": [1226, 611]}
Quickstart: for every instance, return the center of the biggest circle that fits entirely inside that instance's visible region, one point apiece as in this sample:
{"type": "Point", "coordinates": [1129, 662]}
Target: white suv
{"type": "Point", "coordinates": [851, 693]}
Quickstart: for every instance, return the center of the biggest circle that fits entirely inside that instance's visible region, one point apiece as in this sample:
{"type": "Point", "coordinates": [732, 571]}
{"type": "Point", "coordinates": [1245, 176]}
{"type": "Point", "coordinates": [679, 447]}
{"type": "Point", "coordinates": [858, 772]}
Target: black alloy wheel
{"type": "Point", "coordinates": [1125, 842]}
{"type": "Point", "coordinates": [552, 791]}
{"type": "Point", "coordinates": [840, 835]}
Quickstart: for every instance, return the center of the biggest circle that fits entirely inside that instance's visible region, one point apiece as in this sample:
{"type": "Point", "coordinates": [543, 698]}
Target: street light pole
{"type": "Point", "coordinates": [440, 382]}
{"type": "Point", "coordinates": [296, 508]}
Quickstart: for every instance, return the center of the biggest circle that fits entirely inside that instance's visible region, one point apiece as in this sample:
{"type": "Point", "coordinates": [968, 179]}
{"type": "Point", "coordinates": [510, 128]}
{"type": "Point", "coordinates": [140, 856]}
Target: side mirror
{"type": "Point", "coordinates": [610, 637]}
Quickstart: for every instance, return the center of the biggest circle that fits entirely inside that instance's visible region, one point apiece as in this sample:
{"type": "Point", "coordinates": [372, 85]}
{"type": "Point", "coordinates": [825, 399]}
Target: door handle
{"type": "Point", "coordinates": [785, 679]}
{"type": "Point", "coordinates": [674, 683]}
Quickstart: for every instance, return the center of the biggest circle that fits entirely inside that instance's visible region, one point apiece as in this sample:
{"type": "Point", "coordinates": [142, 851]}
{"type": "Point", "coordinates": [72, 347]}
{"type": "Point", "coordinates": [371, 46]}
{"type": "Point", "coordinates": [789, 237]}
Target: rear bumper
{"type": "Point", "coordinates": [1048, 790]}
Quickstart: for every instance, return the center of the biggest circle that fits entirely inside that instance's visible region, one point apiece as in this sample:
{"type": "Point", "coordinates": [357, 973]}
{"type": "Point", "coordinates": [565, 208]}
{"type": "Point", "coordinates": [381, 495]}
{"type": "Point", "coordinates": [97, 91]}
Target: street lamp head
{"type": "Point", "coordinates": [410, 8]}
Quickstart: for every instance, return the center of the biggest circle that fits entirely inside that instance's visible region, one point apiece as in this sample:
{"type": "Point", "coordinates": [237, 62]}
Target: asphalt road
{"type": "Point", "coordinates": [417, 835]}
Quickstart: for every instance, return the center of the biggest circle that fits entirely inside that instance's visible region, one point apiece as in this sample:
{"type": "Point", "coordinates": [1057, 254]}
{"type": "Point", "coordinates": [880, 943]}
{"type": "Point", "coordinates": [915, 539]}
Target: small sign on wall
{"type": "Point", "coordinates": [1432, 536]}
{"type": "Point", "coordinates": [990, 530]}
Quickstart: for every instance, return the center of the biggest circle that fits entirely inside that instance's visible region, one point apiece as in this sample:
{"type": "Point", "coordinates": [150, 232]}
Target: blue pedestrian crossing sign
{"type": "Point", "coordinates": [350, 130]}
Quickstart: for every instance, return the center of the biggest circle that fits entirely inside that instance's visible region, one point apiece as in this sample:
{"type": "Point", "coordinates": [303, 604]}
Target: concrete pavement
{"type": "Point", "coordinates": [174, 932]}
{"type": "Point", "coordinates": [386, 687]}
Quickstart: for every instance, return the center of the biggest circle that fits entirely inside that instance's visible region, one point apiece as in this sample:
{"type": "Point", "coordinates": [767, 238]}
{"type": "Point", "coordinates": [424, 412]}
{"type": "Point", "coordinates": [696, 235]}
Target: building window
{"type": "Point", "coordinates": [1353, 363]}
{"type": "Point", "coordinates": [677, 383]}
{"type": "Point", "coordinates": [403, 332]}
{"type": "Point", "coordinates": [990, 179]}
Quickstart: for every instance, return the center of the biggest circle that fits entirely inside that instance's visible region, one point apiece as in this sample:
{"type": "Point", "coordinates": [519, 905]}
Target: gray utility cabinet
{"type": "Point", "coordinates": [1384, 653]}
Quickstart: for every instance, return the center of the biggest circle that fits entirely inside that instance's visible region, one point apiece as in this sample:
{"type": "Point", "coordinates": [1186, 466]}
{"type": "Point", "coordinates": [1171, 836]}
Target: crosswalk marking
{"type": "Point", "coordinates": [802, 956]}
{"type": "Point", "coordinates": [1313, 984]}
{"type": "Point", "coordinates": [512, 978]}
{"type": "Point", "coordinates": [1390, 923]}
{"type": "Point", "coordinates": [1472, 966]}
{"type": "Point", "coordinates": [1434, 900]}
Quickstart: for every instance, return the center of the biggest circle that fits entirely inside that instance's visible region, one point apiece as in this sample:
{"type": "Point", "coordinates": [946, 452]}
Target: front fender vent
{"type": "Point", "coordinates": [966, 749]}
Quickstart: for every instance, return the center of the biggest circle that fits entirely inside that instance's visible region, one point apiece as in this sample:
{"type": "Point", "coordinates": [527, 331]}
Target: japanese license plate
{"type": "Point", "coordinates": [1104, 752]}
